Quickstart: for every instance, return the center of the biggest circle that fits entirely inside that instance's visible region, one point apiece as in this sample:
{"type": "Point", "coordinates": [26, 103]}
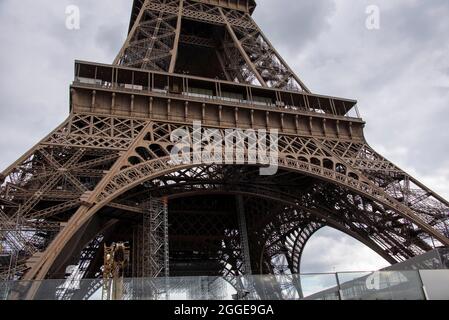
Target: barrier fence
{"type": "Point", "coordinates": [381, 285]}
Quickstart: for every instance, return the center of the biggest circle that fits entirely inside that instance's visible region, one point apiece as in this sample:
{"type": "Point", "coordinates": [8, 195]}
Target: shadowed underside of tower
{"type": "Point", "coordinates": [105, 174]}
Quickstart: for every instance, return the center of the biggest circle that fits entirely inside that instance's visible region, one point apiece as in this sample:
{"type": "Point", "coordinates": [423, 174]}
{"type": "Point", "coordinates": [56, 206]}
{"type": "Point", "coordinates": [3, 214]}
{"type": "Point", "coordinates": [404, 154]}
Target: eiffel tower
{"type": "Point", "coordinates": [105, 174]}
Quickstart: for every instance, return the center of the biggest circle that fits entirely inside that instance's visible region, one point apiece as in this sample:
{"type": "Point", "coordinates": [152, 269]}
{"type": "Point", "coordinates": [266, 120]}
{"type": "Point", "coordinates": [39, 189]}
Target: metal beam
{"type": "Point", "coordinates": [174, 52]}
{"type": "Point", "coordinates": [242, 51]}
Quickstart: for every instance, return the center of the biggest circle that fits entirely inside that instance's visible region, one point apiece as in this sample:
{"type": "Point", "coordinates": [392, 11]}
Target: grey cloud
{"type": "Point", "coordinates": [291, 24]}
{"type": "Point", "coordinates": [330, 250]}
{"type": "Point", "coordinates": [418, 21]}
{"type": "Point", "coordinates": [107, 37]}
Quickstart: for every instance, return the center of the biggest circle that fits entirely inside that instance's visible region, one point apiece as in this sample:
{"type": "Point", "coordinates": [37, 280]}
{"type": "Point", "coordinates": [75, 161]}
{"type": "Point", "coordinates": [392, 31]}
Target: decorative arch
{"type": "Point", "coordinates": [295, 156]}
{"type": "Point", "coordinates": [138, 174]}
{"type": "Point", "coordinates": [299, 241]}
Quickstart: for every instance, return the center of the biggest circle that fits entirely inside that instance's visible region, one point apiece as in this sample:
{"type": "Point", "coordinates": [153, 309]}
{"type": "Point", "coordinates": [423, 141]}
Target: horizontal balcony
{"type": "Point", "coordinates": [185, 87]}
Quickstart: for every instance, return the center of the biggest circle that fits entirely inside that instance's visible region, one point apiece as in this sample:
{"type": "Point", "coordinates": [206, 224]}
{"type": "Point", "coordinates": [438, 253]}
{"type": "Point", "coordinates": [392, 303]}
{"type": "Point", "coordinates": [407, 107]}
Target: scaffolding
{"type": "Point", "coordinates": [155, 239]}
{"type": "Point", "coordinates": [155, 246]}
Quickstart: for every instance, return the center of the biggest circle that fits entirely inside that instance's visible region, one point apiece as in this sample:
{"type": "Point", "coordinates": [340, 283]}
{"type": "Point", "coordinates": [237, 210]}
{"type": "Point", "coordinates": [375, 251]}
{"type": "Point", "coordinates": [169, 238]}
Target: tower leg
{"type": "Point", "coordinates": [243, 230]}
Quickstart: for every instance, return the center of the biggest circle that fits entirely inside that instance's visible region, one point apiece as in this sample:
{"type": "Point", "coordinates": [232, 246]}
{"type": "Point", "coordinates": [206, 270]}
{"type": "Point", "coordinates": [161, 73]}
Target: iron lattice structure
{"type": "Point", "coordinates": [95, 178]}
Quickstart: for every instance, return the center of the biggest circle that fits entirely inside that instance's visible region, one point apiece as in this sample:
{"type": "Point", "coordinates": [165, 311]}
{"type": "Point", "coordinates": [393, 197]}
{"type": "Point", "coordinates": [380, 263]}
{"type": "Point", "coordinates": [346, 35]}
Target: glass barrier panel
{"type": "Point", "coordinates": [385, 285]}
{"type": "Point", "coordinates": [319, 287]}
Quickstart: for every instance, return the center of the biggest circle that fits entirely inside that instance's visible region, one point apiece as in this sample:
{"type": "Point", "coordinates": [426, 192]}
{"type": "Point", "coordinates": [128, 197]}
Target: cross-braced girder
{"type": "Point", "coordinates": [367, 204]}
{"type": "Point", "coordinates": [244, 53]}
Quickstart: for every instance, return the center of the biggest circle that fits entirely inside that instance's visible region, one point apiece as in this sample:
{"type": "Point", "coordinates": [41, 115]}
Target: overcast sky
{"type": "Point", "coordinates": [399, 74]}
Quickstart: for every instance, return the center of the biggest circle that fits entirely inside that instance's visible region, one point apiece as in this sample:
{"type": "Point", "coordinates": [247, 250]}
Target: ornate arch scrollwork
{"type": "Point", "coordinates": [338, 180]}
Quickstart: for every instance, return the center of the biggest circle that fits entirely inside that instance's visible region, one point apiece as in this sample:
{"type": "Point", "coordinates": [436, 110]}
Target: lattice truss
{"type": "Point", "coordinates": [315, 158]}
{"type": "Point", "coordinates": [207, 225]}
{"type": "Point", "coordinates": [245, 53]}
{"type": "Point", "coordinates": [234, 65]}
{"type": "Point", "coordinates": [431, 207]}
{"type": "Point", "coordinates": [150, 44]}
{"type": "Point", "coordinates": [345, 185]}
{"type": "Point", "coordinates": [262, 60]}
{"type": "Point", "coordinates": [45, 187]}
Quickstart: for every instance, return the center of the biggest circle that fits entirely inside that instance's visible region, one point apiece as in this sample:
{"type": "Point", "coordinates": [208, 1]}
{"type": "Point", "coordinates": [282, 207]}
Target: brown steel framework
{"type": "Point", "coordinates": [105, 175]}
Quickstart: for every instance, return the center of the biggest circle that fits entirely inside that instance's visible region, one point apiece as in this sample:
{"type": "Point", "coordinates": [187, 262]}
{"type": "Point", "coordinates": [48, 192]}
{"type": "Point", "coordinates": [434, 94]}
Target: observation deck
{"type": "Point", "coordinates": [128, 92]}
